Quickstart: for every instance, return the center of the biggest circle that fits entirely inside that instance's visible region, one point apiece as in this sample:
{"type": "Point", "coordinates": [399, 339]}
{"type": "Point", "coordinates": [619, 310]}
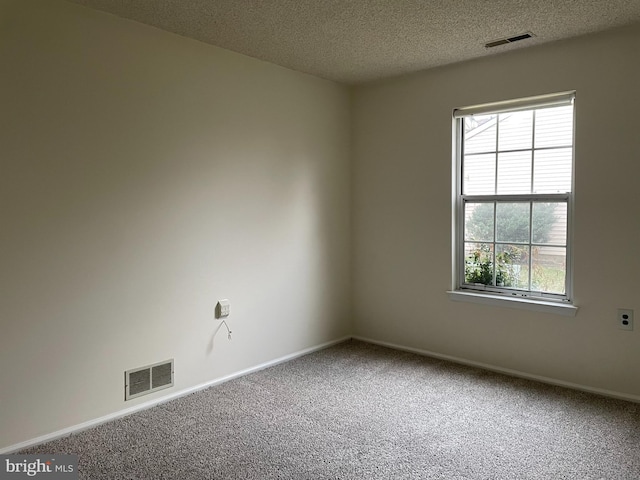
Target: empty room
{"type": "Point", "coordinates": [319, 239]}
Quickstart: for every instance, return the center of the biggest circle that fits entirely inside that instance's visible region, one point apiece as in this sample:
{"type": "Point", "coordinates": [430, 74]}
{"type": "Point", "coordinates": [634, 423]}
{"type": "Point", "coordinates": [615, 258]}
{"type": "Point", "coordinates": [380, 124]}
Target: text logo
{"type": "Point", "coordinates": [50, 467]}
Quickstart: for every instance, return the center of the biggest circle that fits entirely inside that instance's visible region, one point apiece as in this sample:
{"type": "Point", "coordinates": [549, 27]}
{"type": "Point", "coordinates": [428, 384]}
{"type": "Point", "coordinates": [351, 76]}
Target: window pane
{"type": "Point", "coordinates": [478, 263]}
{"type": "Point", "coordinates": [552, 171]}
{"type": "Point", "coordinates": [478, 222]}
{"type": "Point", "coordinates": [554, 127]}
{"type": "Point", "coordinates": [512, 266]}
{"type": "Point", "coordinates": [479, 174]}
{"type": "Point", "coordinates": [514, 173]}
{"type": "Point", "coordinates": [512, 222]}
{"type": "Point", "coordinates": [549, 269]}
{"type": "Point", "coordinates": [515, 179]}
{"type": "Point", "coordinates": [515, 130]}
{"type": "Point", "coordinates": [480, 134]}
{"type": "Point", "coordinates": [549, 222]}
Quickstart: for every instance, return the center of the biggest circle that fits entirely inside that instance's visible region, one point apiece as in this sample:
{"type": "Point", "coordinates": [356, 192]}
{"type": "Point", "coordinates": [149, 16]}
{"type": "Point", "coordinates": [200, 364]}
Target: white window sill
{"type": "Point", "coordinates": [556, 308]}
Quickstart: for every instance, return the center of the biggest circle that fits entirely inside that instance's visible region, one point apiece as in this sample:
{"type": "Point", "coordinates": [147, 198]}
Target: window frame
{"type": "Point", "coordinates": [541, 301]}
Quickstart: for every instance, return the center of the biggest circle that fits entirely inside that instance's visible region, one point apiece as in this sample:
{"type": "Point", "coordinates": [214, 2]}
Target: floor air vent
{"type": "Point", "coordinates": [145, 380]}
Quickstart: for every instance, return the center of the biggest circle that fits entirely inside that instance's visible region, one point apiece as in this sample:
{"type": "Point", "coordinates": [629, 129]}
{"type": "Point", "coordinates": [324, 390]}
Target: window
{"type": "Point", "coordinates": [514, 197]}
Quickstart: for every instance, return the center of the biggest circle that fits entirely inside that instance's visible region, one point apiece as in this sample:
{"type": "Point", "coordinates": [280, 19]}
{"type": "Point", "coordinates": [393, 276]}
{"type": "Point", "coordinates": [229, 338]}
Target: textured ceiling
{"type": "Point", "coordinates": [354, 41]}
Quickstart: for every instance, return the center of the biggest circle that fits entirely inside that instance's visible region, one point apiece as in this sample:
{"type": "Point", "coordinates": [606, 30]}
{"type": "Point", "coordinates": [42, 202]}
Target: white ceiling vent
{"type": "Point", "coordinates": [504, 41]}
{"type": "Point", "coordinates": [145, 380]}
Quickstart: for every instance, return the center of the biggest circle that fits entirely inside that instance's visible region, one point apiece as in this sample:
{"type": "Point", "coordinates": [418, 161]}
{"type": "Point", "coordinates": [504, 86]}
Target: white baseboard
{"type": "Point", "coordinates": [506, 371]}
{"type": "Point", "coordinates": [167, 398]}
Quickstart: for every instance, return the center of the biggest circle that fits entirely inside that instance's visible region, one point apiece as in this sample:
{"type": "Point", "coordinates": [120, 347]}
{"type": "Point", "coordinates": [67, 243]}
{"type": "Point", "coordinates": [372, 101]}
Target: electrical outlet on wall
{"type": "Point", "coordinates": [625, 319]}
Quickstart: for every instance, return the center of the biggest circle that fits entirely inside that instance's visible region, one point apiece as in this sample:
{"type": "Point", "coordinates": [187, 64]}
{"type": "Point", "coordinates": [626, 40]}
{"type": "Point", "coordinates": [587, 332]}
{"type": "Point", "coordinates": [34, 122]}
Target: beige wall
{"type": "Point", "coordinates": [402, 213]}
{"type": "Point", "coordinates": [143, 177]}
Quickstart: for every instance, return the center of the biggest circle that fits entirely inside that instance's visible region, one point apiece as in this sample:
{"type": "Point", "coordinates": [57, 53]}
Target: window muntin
{"type": "Point", "coordinates": [514, 197]}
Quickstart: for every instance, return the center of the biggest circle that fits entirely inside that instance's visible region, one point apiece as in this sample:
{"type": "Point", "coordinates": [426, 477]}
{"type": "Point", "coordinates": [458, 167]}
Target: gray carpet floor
{"type": "Point", "coordinates": [360, 411]}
